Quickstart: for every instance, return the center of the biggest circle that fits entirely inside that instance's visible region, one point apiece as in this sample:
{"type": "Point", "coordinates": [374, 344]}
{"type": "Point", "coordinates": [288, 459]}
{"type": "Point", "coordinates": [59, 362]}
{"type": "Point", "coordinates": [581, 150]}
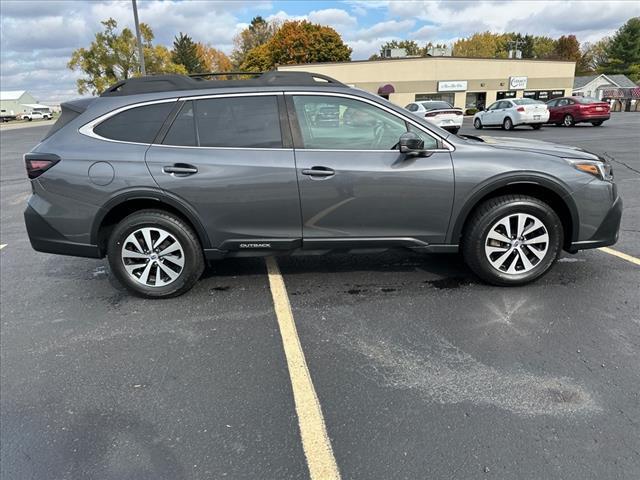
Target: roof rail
{"type": "Point", "coordinates": [166, 83]}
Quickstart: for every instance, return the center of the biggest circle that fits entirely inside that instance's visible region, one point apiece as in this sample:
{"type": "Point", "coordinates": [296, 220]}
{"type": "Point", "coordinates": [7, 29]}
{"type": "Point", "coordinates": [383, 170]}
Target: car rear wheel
{"type": "Point", "coordinates": [512, 240]}
{"type": "Point", "coordinates": [536, 126]}
{"type": "Point", "coordinates": [477, 123]}
{"type": "Point", "coordinates": [568, 120]}
{"type": "Point", "coordinates": [597, 123]}
{"type": "Point", "coordinates": [155, 254]}
{"type": "Point", "coordinates": [507, 124]}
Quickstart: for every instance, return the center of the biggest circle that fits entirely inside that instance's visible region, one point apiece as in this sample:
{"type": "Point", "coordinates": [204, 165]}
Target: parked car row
{"type": "Point", "coordinates": [513, 112]}
{"type": "Point", "coordinates": [29, 116]}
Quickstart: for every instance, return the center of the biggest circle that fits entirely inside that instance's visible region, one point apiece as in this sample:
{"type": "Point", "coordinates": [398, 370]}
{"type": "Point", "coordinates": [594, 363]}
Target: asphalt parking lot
{"type": "Point", "coordinates": [420, 370]}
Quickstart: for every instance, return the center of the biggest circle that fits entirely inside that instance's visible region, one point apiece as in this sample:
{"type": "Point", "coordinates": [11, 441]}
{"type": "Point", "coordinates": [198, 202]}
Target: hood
{"type": "Point", "coordinates": [539, 146]}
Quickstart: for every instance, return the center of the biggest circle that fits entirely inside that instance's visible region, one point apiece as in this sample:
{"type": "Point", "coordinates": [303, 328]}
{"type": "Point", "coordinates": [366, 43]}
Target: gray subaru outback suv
{"type": "Point", "coordinates": [162, 173]}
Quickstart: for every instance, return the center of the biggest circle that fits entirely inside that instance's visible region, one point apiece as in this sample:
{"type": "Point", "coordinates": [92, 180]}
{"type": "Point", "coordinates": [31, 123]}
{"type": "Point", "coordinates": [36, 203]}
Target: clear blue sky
{"type": "Point", "coordinates": [37, 37]}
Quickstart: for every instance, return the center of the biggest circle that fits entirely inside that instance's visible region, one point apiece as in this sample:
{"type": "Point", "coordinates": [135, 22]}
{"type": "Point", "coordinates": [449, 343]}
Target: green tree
{"type": "Point", "coordinates": [257, 33]}
{"type": "Point", "coordinates": [624, 51]}
{"type": "Point", "coordinates": [298, 42]}
{"type": "Point", "coordinates": [113, 56]}
{"type": "Point", "coordinates": [543, 47]}
{"type": "Point", "coordinates": [185, 53]}
{"type": "Point", "coordinates": [482, 45]}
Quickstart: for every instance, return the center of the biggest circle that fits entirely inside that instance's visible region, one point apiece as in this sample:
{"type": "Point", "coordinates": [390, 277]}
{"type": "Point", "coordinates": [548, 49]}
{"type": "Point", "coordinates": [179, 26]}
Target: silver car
{"type": "Point", "coordinates": [512, 112]}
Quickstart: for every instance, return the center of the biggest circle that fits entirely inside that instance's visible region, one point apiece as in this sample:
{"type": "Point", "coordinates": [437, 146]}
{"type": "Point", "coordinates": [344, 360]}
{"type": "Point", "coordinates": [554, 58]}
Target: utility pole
{"type": "Point", "coordinates": [143, 70]}
{"type": "Point", "coordinates": [513, 48]}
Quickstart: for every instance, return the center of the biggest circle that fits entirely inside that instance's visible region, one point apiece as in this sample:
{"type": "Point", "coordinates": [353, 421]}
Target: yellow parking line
{"type": "Point", "coordinates": [621, 255]}
{"type": "Point", "coordinates": [315, 441]}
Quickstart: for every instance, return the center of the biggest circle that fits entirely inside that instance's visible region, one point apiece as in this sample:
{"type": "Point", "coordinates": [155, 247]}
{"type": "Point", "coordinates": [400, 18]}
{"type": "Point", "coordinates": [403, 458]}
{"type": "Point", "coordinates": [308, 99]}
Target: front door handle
{"type": "Point", "coordinates": [180, 169]}
{"type": "Point", "coordinates": [319, 172]}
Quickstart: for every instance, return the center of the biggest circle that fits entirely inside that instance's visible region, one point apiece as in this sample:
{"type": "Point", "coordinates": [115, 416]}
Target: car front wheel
{"type": "Point", "coordinates": [477, 123]}
{"type": "Point", "coordinates": [155, 254]}
{"type": "Point", "coordinates": [597, 123]}
{"type": "Point", "coordinates": [512, 240]}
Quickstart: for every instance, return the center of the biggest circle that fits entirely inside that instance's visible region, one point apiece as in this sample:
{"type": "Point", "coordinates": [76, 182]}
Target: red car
{"type": "Point", "coordinates": [568, 111]}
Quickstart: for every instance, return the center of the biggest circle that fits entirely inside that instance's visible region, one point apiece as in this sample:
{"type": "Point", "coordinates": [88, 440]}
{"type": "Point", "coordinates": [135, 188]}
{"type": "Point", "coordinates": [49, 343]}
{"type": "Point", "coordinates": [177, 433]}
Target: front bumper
{"type": "Point", "coordinates": [607, 232]}
{"type": "Point", "coordinates": [45, 238]}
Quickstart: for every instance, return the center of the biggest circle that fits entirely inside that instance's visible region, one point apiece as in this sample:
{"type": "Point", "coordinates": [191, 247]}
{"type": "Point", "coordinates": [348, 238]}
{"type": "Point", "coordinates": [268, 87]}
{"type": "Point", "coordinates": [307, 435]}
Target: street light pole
{"type": "Point", "coordinates": [143, 71]}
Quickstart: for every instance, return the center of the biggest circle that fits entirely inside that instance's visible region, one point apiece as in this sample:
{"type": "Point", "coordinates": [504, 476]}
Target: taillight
{"type": "Point", "coordinates": [38, 163]}
{"type": "Point", "coordinates": [520, 109]}
{"type": "Point", "coordinates": [430, 114]}
{"type": "Point", "coordinates": [458, 112]}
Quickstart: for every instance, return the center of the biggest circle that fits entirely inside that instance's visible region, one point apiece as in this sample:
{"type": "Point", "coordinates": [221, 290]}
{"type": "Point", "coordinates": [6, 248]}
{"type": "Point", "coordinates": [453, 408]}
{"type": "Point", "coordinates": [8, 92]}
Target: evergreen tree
{"type": "Point", "coordinates": [185, 52]}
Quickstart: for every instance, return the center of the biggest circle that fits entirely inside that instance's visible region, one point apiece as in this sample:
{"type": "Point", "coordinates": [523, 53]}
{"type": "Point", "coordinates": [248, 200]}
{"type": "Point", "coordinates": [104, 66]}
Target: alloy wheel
{"type": "Point", "coordinates": [516, 243]}
{"type": "Point", "coordinates": [152, 256]}
{"type": "Point", "coordinates": [568, 120]}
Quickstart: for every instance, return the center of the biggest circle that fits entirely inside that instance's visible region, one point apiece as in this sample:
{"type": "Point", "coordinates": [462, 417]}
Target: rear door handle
{"type": "Point", "coordinates": [180, 169]}
{"type": "Point", "coordinates": [319, 172]}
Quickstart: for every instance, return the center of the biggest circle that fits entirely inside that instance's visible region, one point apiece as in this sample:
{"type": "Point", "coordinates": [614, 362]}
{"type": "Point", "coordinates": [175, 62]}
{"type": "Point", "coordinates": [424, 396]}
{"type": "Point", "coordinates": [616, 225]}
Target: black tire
{"type": "Point", "coordinates": [194, 262]}
{"type": "Point", "coordinates": [597, 123]}
{"type": "Point", "coordinates": [477, 124]}
{"type": "Point", "coordinates": [568, 120]}
{"type": "Point", "coordinates": [484, 218]}
{"type": "Point", "coordinates": [536, 126]}
{"type": "Point", "coordinates": [454, 130]}
{"type": "Point", "coordinates": [507, 124]}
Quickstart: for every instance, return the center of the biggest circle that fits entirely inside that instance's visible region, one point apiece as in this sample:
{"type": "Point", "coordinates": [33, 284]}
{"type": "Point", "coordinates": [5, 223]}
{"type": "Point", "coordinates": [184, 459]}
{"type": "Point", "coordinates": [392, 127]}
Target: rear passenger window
{"type": "Point", "coordinates": [183, 129]}
{"type": "Point", "coordinates": [245, 122]}
{"type": "Point", "coordinates": [139, 124]}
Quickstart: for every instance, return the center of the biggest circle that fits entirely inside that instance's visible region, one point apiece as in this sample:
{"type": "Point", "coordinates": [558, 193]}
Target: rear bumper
{"type": "Point", "coordinates": [45, 238]}
{"type": "Point", "coordinates": [528, 118]}
{"type": "Point", "coordinates": [593, 117]}
{"type": "Point", "coordinates": [607, 232]}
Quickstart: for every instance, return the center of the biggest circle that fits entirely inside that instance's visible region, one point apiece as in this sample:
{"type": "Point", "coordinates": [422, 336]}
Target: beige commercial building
{"type": "Point", "coordinates": [464, 82]}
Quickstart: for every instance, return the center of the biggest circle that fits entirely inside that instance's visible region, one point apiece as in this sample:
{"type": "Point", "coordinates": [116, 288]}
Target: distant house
{"type": "Point", "coordinates": [15, 102]}
{"type": "Point", "coordinates": [595, 85]}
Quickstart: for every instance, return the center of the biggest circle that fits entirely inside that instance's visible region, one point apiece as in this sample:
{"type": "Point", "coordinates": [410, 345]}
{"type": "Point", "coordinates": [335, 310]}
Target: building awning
{"type": "Point", "coordinates": [386, 89]}
{"type": "Point", "coordinates": [35, 105]}
{"type": "Point", "coordinates": [622, 93]}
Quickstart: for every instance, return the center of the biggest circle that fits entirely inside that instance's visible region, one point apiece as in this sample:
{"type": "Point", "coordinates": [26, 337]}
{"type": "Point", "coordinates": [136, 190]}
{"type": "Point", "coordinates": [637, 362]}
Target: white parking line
{"type": "Point", "coordinates": [2, 246]}
{"type": "Point", "coordinates": [624, 256]}
{"type": "Point", "coordinates": [315, 441]}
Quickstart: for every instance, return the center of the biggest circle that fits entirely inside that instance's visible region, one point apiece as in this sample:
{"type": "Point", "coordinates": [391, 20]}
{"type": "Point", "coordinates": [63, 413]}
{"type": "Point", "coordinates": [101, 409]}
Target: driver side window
{"type": "Point", "coordinates": [338, 123]}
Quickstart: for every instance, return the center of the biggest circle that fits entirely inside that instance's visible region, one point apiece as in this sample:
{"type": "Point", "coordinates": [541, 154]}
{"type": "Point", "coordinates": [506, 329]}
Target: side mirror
{"type": "Point", "coordinates": [411, 144]}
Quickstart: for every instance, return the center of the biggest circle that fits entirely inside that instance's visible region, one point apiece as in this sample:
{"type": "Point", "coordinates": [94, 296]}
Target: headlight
{"type": "Point", "coordinates": [599, 169]}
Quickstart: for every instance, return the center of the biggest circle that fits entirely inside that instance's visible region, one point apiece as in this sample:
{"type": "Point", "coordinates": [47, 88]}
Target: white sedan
{"type": "Point", "coordinates": [513, 112]}
{"type": "Point", "coordinates": [438, 112]}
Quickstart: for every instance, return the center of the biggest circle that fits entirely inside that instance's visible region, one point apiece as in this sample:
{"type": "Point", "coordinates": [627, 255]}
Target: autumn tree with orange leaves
{"type": "Point", "coordinates": [297, 42]}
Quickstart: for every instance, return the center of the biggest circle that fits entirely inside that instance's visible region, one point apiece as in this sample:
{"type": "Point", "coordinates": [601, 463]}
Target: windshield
{"type": "Point", "coordinates": [435, 105]}
{"type": "Point", "coordinates": [525, 101]}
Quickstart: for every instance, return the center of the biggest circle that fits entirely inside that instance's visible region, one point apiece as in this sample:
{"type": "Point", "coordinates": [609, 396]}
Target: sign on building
{"type": "Point", "coordinates": [517, 83]}
{"type": "Point", "coordinates": [452, 86]}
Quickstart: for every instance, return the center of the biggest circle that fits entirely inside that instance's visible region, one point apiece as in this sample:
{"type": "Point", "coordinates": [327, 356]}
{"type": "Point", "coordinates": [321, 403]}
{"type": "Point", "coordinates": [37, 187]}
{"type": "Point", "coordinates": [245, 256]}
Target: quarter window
{"type": "Point", "coordinates": [244, 122]}
{"type": "Point", "coordinates": [138, 124]}
{"type": "Point", "coordinates": [183, 129]}
{"type": "Point", "coordinates": [339, 123]}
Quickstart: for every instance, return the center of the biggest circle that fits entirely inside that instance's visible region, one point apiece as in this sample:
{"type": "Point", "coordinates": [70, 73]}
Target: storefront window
{"type": "Point", "coordinates": [447, 97]}
{"type": "Point", "coordinates": [476, 100]}
{"type": "Point", "coordinates": [543, 95]}
{"type": "Point", "coordinates": [508, 94]}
